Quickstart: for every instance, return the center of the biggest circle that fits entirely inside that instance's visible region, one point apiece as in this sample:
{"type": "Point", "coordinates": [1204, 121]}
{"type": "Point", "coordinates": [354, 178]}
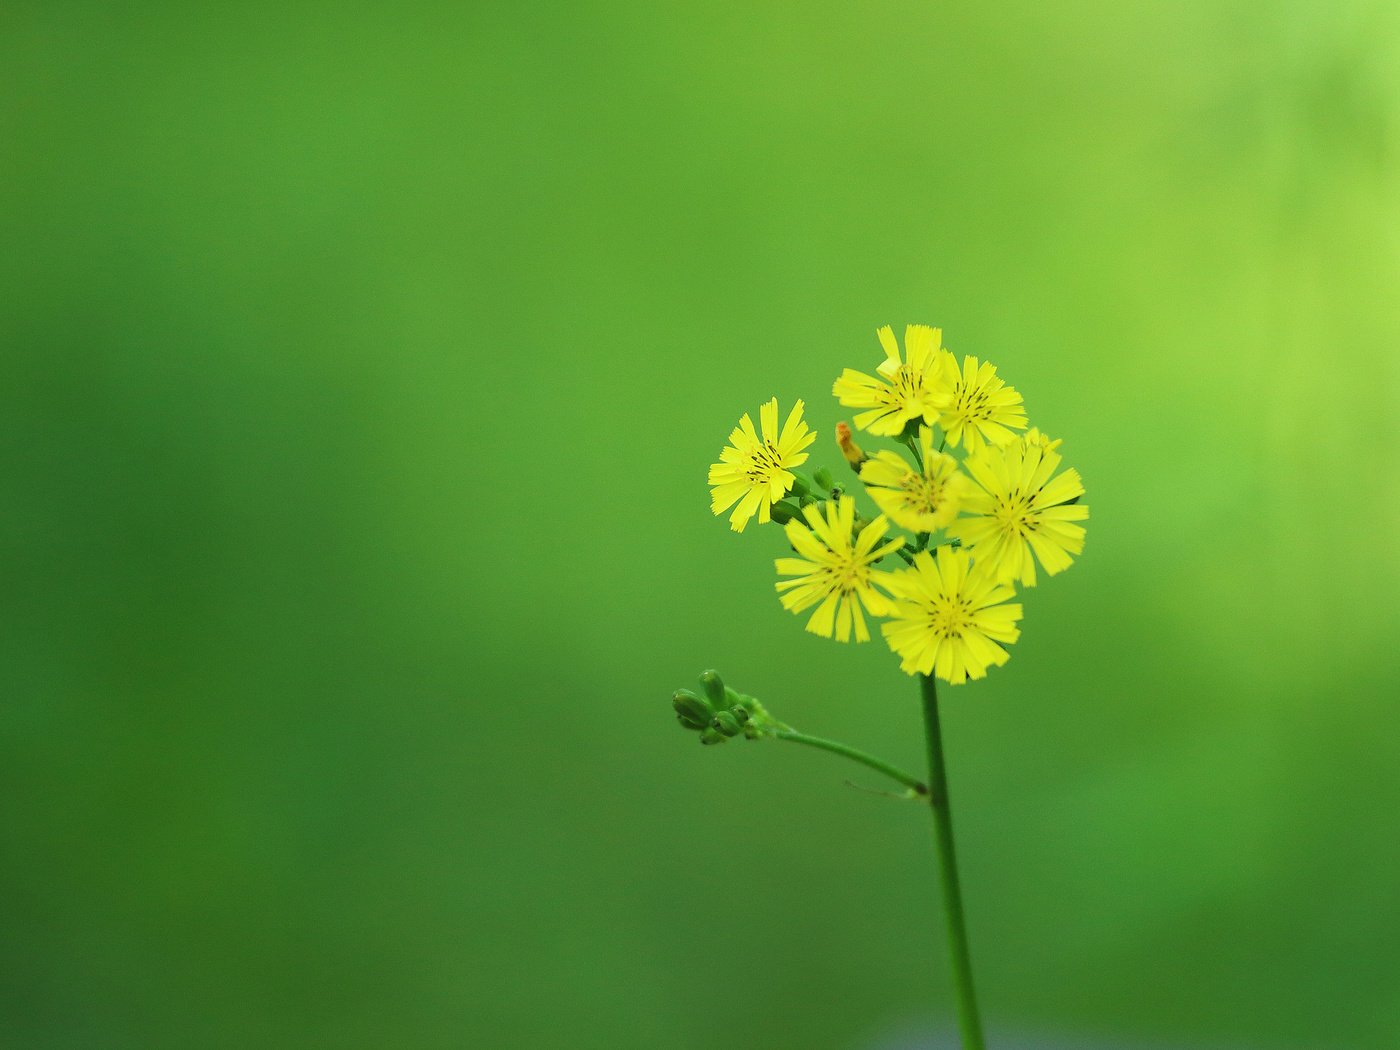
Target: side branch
{"type": "Point", "coordinates": [910, 781]}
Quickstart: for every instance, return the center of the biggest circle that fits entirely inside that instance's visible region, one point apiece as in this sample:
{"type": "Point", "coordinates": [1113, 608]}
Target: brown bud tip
{"type": "Point", "coordinates": [853, 453]}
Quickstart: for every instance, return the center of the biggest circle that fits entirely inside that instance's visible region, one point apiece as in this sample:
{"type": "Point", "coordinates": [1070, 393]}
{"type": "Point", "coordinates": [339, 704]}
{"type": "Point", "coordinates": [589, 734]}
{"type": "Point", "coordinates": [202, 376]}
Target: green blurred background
{"type": "Point", "coordinates": [359, 370]}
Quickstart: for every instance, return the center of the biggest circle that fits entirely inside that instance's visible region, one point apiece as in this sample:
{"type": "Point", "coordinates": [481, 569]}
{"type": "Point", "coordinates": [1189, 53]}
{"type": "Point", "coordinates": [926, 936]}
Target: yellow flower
{"type": "Point", "coordinates": [835, 569]}
{"type": "Point", "coordinates": [919, 499]}
{"type": "Point", "coordinates": [1033, 436]}
{"type": "Point", "coordinates": [757, 472]}
{"type": "Point", "coordinates": [947, 617]}
{"type": "Point", "coordinates": [982, 406]}
{"type": "Point", "coordinates": [1018, 508]}
{"type": "Point", "coordinates": [905, 390]}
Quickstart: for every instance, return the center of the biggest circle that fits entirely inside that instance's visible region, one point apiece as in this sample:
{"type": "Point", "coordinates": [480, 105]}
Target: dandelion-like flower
{"type": "Point", "coordinates": [982, 408]}
{"type": "Point", "coordinates": [1033, 436]}
{"type": "Point", "coordinates": [920, 499]}
{"type": "Point", "coordinates": [756, 472]}
{"type": "Point", "coordinates": [836, 570]}
{"type": "Point", "coordinates": [948, 617]}
{"type": "Point", "coordinates": [905, 390]}
{"type": "Point", "coordinates": [1017, 508]}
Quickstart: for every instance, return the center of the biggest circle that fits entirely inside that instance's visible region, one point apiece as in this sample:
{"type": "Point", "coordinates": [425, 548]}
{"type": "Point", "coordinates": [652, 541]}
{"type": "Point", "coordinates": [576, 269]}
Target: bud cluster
{"type": "Point", "coordinates": [718, 712]}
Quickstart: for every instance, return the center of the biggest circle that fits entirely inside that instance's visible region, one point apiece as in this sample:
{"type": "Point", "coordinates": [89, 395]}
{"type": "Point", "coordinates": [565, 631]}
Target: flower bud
{"type": "Point", "coordinates": [720, 713]}
{"type": "Point", "coordinates": [853, 453]}
{"type": "Point", "coordinates": [714, 689]}
{"type": "Point", "coordinates": [823, 479]}
{"type": "Point", "coordinates": [693, 711]}
{"type": "Point", "coordinates": [726, 723]}
{"type": "Point", "coordinates": [783, 513]}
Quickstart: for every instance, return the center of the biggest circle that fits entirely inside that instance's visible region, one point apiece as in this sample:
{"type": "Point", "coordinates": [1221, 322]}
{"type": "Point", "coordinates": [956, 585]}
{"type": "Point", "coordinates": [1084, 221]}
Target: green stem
{"type": "Point", "coordinates": [894, 773]}
{"type": "Point", "coordinates": [958, 955]}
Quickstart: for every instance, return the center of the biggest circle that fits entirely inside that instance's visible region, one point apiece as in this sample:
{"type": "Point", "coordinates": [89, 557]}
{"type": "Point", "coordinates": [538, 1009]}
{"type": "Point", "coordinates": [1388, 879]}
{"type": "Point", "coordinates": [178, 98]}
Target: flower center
{"type": "Point", "coordinates": [1013, 514]}
{"type": "Point", "coordinates": [950, 616]}
{"type": "Point", "coordinates": [764, 462]}
{"type": "Point", "coordinates": [921, 492]}
{"type": "Point", "coordinates": [845, 577]}
{"type": "Point", "coordinates": [971, 402]}
{"type": "Point", "coordinates": [906, 385]}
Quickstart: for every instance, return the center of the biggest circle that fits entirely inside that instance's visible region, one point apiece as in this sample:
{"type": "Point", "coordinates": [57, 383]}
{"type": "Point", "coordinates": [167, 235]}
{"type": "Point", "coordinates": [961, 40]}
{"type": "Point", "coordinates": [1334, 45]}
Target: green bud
{"type": "Point", "coordinates": [784, 512]}
{"type": "Point", "coordinates": [823, 479]}
{"type": "Point", "coordinates": [712, 736]}
{"type": "Point", "coordinates": [714, 688]}
{"type": "Point", "coordinates": [808, 501]}
{"type": "Point", "coordinates": [693, 711]}
{"type": "Point", "coordinates": [743, 706]}
{"type": "Point", "coordinates": [726, 723]}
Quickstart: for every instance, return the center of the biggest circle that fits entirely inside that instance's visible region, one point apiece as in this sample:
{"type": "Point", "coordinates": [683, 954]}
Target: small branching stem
{"type": "Point", "coordinates": [893, 772]}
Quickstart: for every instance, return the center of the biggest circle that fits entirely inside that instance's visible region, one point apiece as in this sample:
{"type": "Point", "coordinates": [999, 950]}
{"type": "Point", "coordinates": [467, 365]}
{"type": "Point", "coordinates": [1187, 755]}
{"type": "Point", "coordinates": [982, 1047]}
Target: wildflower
{"type": "Point", "coordinates": [1017, 508]}
{"type": "Point", "coordinates": [905, 390]}
{"type": "Point", "coordinates": [835, 569]}
{"type": "Point", "coordinates": [1033, 436]}
{"type": "Point", "coordinates": [981, 406]}
{"type": "Point", "coordinates": [948, 616]}
{"type": "Point", "coordinates": [920, 499]}
{"type": "Point", "coordinates": [757, 472]}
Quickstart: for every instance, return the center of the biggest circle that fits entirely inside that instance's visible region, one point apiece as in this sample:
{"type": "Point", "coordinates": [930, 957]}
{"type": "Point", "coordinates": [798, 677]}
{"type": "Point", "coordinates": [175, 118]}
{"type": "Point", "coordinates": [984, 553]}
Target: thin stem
{"type": "Point", "coordinates": [958, 956]}
{"type": "Point", "coordinates": [894, 773]}
{"type": "Point", "coordinates": [912, 442]}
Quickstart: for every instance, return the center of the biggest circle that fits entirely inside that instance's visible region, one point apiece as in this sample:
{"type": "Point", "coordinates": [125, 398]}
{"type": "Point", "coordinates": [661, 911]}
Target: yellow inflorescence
{"type": "Point", "coordinates": [982, 409]}
{"type": "Point", "coordinates": [904, 390]}
{"type": "Point", "coordinates": [1018, 509]}
{"type": "Point", "coordinates": [978, 526]}
{"type": "Point", "coordinates": [949, 617]}
{"type": "Point", "coordinates": [755, 471]}
{"type": "Point", "coordinates": [920, 498]}
{"type": "Point", "coordinates": [836, 570]}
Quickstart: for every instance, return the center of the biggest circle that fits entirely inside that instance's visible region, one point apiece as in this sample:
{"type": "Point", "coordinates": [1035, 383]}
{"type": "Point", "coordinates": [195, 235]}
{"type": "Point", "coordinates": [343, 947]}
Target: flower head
{"type": "Point", "coordinates": [1033, 436]}
{"type": "Point", "coordinates": [981, 407]}
{"type": "Point", "coordinates": [835, 569]}
{"type": "Point", "coordinates": [1018, 509]}
{"type": "Point", "coordinates": [920, 499]}
{"type": "Point", "coordinates": [755, 471]}
{"type": "Point", "coordinates": [948, 617]}
{"type": "Point", "coordinates": [905, 390]}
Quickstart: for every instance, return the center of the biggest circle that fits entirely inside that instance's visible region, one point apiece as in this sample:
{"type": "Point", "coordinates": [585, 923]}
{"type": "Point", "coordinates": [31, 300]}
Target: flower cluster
{"type": "Point", "coordinates": [977, 525]}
